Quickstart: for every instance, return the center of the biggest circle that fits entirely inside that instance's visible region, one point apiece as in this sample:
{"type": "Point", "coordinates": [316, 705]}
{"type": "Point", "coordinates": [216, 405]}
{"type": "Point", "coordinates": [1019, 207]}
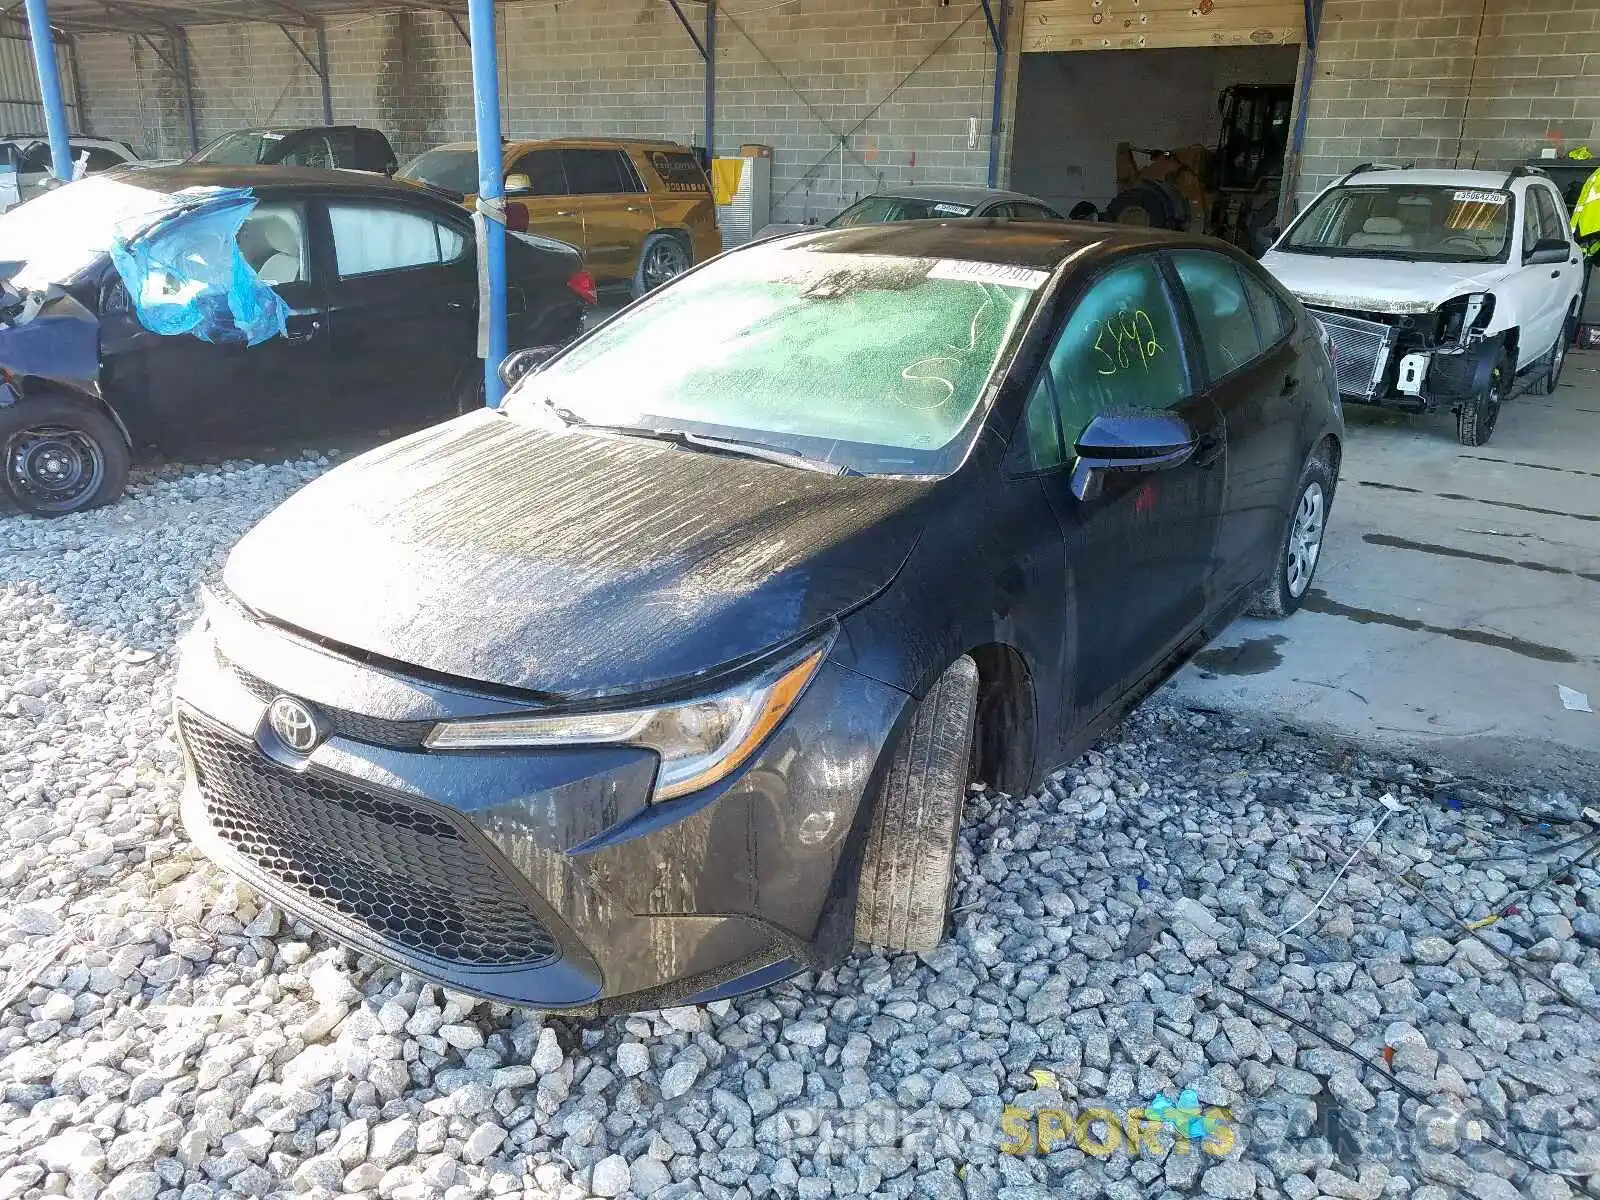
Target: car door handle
{"type": "Point", "coordinates": [634, 208]}
{"type": "Point", "coordinates": [455, 303]}
{"type": "Point", "coordinates": [300, 329]}
{"type": "Point", "coordinates": [1555, 274]}
{"type": "Point", "coordinates": [565, 212]}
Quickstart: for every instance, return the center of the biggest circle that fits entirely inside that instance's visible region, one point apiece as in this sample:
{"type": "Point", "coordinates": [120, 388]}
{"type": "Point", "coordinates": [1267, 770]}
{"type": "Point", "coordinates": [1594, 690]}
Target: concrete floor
{"type": "Point", "coordinates": [1457, 588]}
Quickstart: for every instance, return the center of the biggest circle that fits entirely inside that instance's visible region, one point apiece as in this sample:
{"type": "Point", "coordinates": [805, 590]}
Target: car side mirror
{"type": "Point", "coordinates": [1131, 440]}
{"type": "Point", "coordinates": [520, 363]}
{"type": "Point", "coordinates": [518, 184]}
{"type": "Point", "coordinates": [1550, 250]}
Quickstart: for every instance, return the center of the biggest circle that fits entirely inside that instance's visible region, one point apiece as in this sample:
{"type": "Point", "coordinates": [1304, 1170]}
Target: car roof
{"type": "Point", "coordinates": [307, 179]}
{"type": "Point", "coordinates": [285, 129]}
{"type": "Point", "coordinates": [1041, 245]}
{"type": "Point", "coordinates": [1430, 177]}
{"type": "Point", "coordinates": [518, 145]}
{"type": "Point", "coordinates": [958, 193]}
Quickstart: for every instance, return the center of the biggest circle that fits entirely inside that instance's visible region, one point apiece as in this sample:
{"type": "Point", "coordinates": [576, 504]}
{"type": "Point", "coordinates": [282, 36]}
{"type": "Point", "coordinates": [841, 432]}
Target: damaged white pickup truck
{"type": "Point", "coordinates": [1437, 288]}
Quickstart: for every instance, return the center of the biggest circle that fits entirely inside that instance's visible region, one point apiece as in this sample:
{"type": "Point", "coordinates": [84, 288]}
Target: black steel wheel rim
{"type": "Point", "coordinates": [665, 260]}
{"type": "Point", "coordinates": [54, 468]}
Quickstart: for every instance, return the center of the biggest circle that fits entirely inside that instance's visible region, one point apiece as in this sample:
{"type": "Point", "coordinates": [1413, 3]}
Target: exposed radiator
{"type": "Point", "coordinates": [1361, 351]}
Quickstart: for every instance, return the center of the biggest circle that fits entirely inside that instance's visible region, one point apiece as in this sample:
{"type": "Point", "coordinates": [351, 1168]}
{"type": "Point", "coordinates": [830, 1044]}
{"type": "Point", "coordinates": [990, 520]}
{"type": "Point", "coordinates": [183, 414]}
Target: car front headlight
{"type": "Point", "coordinates": [1464, 318]}
{"type": "Point", "coordinates": [700, 741]}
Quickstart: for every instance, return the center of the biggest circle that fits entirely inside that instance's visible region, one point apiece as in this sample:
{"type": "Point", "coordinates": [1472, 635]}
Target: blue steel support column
{"type": "Point", "coordinates": [55, 113]}
{"type": "Point", "coordinates": [998, 35]}
{"type": "Point", "coordinates": [491, 192]}
{"type": "Point", "coordinates": [711, 81]}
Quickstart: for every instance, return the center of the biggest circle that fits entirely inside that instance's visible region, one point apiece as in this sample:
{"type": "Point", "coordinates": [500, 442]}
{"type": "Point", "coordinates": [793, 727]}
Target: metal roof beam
{"type": "Point", "coordinates": [689, 29]}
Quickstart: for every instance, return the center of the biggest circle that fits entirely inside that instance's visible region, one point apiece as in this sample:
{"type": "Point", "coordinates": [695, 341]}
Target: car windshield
{"type": "Point", "coordinates": [242, 149]}
{"type": "Point", "coordinates": [1406, 221]}
{"type": "Point", "coordinates": [453, 170]}
{"type": "Point", "coordinates": [60, 233]}
{"type": "Point", "coordinates": [875, 210]}
{"type": "Point", "coordinates": [870, 363]}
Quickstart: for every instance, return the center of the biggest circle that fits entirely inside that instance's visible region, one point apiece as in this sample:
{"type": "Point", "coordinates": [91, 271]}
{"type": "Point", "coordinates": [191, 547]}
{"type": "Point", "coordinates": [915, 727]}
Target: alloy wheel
{"type": "Point", "coordinates": [663, 261]}
{"type": "Point", "coordinates": [1305, 540]}
{"type": "Point", "coordinates": [54, 466]}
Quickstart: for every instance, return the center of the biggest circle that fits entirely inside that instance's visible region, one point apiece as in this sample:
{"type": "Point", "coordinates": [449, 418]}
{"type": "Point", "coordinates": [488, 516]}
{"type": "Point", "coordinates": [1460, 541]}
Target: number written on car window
{"type": "Point", "coordinates": [1124, 339]}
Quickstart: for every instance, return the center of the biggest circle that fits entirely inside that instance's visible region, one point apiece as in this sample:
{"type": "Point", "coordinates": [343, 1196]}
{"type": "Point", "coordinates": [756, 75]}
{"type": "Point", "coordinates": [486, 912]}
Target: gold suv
{"type": "Point", "coordinates": [641, 211]}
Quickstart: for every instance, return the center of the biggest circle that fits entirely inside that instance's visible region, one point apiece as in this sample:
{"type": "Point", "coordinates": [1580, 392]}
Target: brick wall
{"type": "Point", "coordinates": [1451, 82]}
{"type": "Point", "coordinates": [796, 76]}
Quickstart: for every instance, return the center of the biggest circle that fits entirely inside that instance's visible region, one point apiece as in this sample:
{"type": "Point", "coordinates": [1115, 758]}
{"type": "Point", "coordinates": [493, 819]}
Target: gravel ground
{"type": "Point", "coordinates": [163, 1033]}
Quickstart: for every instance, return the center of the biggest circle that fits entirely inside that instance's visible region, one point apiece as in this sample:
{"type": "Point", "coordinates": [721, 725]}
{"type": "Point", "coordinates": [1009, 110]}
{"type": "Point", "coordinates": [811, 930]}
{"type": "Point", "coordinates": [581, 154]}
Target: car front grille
{"type": "Point", "coordinates": [375, 731]}
{"type": "Point", "coordinates": [1360, 351]}
{"type": "Point", "coordinates": [409, 872]}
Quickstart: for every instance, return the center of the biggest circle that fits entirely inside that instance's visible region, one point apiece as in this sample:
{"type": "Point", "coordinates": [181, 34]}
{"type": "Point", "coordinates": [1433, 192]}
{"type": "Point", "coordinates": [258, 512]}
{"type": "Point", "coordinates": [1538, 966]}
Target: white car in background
{"type": "Point", "coordinates": [1437, 288]}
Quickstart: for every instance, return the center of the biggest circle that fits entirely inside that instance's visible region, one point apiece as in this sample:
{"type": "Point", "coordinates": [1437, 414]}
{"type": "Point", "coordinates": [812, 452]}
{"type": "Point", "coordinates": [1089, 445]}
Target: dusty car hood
{"type": "Point", "coordinates": [569, 564]}
{"type": "Point", "coordinates": [1379, 284]}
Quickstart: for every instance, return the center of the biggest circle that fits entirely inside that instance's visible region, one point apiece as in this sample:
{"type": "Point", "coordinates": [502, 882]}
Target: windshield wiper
{"type": "Point", "coordinates": [700, 441]}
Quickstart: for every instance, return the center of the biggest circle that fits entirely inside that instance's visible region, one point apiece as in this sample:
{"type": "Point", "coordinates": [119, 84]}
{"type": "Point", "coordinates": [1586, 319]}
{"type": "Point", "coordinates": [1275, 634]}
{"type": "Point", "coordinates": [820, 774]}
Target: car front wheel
{"type": "Point", "coordinates": [908, 870]}
{"type": "Point", "coordinates": [60, 455]}
{"type": "Point", "coordinates": [1557, 358]}
{"type": "Point", "coordinates": [1475, 419]}
{"type": "Point", "coordinates": [1301, 547]}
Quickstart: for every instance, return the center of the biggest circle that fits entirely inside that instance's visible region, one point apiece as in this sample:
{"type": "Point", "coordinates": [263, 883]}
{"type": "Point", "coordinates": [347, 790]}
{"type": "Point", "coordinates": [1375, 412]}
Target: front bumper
{"type": "Point", "coordinates": [539, 877]}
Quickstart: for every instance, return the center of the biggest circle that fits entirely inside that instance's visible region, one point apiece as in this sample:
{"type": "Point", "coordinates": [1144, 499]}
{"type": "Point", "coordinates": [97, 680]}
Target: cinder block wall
{"type": "Point", "coordinates": [901, 83]}
{"type": "Point", "coordinates": [1451, 82]}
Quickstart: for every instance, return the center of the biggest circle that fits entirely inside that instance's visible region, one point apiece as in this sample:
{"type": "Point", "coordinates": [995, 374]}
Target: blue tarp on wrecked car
{"type": "Point", "coordinates": [185, 273]}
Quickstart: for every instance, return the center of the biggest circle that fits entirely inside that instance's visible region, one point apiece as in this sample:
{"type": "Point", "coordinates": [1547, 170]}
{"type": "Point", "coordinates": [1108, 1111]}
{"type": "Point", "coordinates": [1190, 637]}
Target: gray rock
{"type": "Point", "coordinates": [1229, 1181]}
{"type": "Point", "coordinates": [612, 1176]}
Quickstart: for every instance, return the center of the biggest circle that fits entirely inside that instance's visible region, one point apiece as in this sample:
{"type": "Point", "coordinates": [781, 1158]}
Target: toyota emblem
{"type": "Point", "coordinates": [296, 725]}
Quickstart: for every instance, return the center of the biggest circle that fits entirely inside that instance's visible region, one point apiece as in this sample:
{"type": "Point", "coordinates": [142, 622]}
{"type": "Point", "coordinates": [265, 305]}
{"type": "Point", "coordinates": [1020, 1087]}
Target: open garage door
{"type": "Point", "coordinates": [1152, 112]}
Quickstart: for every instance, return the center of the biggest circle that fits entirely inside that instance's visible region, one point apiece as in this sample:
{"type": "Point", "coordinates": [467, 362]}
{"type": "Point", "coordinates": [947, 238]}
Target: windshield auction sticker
{"type": "Point", "coordinates": [1495, 198]}
{"type": "Point", "coordinates": [982, 272]}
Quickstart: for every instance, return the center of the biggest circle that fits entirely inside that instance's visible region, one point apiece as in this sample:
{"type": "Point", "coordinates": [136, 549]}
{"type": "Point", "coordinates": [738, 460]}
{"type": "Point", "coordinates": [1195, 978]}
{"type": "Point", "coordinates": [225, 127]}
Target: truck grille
{"type": "Point", "coordinates": [1360, 351]}
{"type": "Point", "coordinates": [405, 871]}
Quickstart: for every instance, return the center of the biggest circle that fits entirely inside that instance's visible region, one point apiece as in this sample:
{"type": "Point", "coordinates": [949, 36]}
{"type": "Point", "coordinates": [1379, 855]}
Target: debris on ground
{"type": "Point", "coordinates": [1113, 1017]}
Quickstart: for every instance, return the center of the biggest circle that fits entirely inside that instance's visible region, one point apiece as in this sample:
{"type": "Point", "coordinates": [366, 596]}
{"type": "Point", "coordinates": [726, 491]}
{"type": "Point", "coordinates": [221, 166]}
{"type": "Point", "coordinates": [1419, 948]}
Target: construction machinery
{"type": "Point", "coordinates": [1230, 191]}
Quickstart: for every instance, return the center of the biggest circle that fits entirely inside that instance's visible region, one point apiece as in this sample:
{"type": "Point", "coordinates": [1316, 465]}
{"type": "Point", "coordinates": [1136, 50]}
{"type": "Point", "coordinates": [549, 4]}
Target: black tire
{"type": "Point", "coordinates": [60, 455]}
{"type": "Point", "coordinates": [663, 256]}
{"type": "Point", "coordinates": [1084, 210]}
{"type": "Point", "coordinates": [1285, 589]}
{"type": "Point", "coordinates": [1144, 204]}
{"type": "Point", "coordinates": [1475, 420]}
{"type": "Point", "coordinates": [908, 869]}
{"type": "Point", "coordinates": [1557, 358]}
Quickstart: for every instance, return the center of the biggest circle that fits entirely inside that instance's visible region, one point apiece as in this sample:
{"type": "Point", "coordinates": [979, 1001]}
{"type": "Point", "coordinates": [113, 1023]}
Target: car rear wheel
{"type": "Point", "coordinates": [664, 257]}
{"type": "Point", "coordinates": [1301, 547]}
{"type": "Point", "coordinates": [1557, 358]}
{"type": "Point", "coordinates": [907, 873]}
{"type": "Point", "coordinates": [60, 456]}
{"type": "Point", "coordinates": [1475, 419]}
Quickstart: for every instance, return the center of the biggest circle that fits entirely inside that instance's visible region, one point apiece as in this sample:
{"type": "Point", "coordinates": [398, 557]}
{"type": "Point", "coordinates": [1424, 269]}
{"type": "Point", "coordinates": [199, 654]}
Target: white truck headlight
{"type": "Point", "coordinates": [700, 741]}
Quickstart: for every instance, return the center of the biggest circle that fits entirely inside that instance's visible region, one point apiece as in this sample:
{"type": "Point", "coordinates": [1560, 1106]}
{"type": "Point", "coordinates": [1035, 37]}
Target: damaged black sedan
{"type": "Point", "coordinates": [193, 310]}
{"type": "Point", "coordinates": [667, 680]}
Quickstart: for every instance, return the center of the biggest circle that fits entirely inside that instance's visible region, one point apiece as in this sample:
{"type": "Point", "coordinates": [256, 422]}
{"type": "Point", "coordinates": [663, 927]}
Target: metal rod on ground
{"type": "Point", "coordinates": [55, 113]}
{"type": "Point", "coordinates": [491, 188]}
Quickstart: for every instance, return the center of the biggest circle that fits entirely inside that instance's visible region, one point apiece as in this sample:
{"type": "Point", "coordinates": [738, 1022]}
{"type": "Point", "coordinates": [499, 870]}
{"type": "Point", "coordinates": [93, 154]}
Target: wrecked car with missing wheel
{"type": "Point", "coordinates": [229, 309]}
{"type": "Point", "coordinates": [1438, 289]}
{"type": "Point", "coordinates": [665, 684]}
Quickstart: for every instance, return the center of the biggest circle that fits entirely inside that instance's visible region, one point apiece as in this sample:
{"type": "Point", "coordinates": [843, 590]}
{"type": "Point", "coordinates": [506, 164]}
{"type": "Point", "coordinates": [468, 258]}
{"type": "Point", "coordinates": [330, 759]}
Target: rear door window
{"type": "Point", "coordinates": [546, 175]}
{"type": "Point", "coordinates": [342, 145]}
{"type": "Point", "coordinates": [309, 150]}
{"type": "Point", "coordinates": [273, 241]}
{"type": "Point", "coordinates": [1550, 223]}
{"type": "Point", "coordinates": [372, 238]}
{"type": "Point", "coordinates": [595, 172]}
{"type": "Point", "coordinates": [1118, 349]}
{"type": "Point", "coordinates": [1221, 309]}
{"type": "Point", "coordinates": [1272, 318]}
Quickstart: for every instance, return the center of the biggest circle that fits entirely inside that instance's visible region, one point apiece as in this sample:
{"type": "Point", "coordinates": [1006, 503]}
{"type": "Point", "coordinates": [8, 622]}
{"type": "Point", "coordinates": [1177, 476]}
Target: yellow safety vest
{"type": "Point", "coordinates": [1586, 213]}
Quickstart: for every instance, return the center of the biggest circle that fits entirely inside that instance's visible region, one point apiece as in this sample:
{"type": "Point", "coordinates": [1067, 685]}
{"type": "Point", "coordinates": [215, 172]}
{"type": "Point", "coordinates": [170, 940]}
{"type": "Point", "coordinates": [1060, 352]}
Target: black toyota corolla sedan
{"type": "Point", "coordinates": [668, 679]}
